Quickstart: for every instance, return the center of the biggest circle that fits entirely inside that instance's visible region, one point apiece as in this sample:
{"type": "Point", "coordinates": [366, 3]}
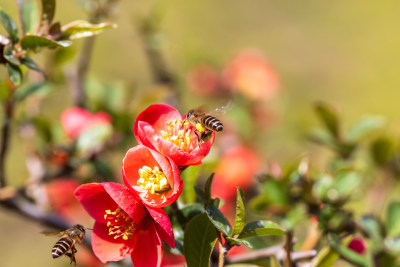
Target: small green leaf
{"type": "Point", "coordinates": [92, 139]}
{"type": "Point", "coordinates": [207, 187]}
{"type": "Point", "coordinates": [81, 29]}
{"type": "Point", "coordinates": [9, 25]}
{"type": "Point", "coordinates": [9, 56]}
{"type": "Point", "coordinates": [364, 127]}
{"type": "Point", "coordinates": [261, 228]}
{"type": "Point", "coordinates": [373, 227]}
{"type": "Point", "coordinates": [199, 240]}
{"type": "Point", "coordinates": [27, 61]}
{"type": "Point", "coordinates": [329, 118]}
{"type": "Point", "coordinates": [29, 14]}
{"type": "Point", "coordinates": [23, 93]}
{"type": "Point", "coordinates": [382, 150]}
{"type": "Point", "coordinates": [33, 42]}
{"type": "Point", "coordinates": [393, 219]}
{"type": "Point", "coordinates": [15, 74]}
{"type": "Point", "coordinates": [241, 241]}
{"type": "Point", "coordinates": [48, 11]}
{"type": "Point", "coordinates": [200, 194]}
{"type": "Point", "coordinates": [219, 220]}
{"type": "Point", "coordinates": [325, 258]}
{"type": "Point", "coordinates": [192, 210]}
{"type": "Point", "coordinates": [240, 218]}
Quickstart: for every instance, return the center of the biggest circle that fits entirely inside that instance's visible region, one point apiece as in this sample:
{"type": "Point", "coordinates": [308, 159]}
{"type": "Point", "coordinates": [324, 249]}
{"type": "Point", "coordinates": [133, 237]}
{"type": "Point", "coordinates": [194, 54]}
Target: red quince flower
{"type": "Point", "coordinates": [76, 120]}
{"type": "Point", "coordinates": [250, 74]}
{"type": "Point", "coordinates": [151, 176]}
{"type": "Point", "coordinates": [123, 226]}
{"type": "Point", "coordinates": [159, 127]}
{"type": "Point", "coordinates": [358, 245]}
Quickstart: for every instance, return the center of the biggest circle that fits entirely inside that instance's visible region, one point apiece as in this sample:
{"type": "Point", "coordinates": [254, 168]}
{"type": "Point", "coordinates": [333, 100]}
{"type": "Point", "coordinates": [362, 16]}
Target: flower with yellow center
{"type": "Point", "coordinates": [178, 132]}
{"type": "Point", "coordinates": [153, 180]}
{"type": "Point", "coordinates": [119, 224]}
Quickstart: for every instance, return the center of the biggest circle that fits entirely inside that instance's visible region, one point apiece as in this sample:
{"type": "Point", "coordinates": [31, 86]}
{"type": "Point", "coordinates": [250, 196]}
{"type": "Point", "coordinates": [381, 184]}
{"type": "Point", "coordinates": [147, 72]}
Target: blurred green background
{"type": "Point", "coordinates": [342, 52]}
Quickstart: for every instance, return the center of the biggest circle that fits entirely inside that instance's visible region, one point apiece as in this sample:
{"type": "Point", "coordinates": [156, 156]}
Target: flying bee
{"type": "Point", "coordinates": [66, 243]}
{"type": "Point", "coordinates": [206, 122]}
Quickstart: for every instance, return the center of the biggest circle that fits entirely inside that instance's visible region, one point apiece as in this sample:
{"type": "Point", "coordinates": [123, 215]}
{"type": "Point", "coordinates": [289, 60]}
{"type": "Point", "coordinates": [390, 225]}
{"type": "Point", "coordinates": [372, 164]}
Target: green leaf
{"type": "Point", "coordinates": [219, 220]}
{"type": "Point", "coordinates": [199, 240]}
{"type": "Point", "coordinates": [329, 118]}
{"type": "Point", "coordinates": [325, 258]}
{"type": "Point", "coordinates": [29, 14]}
{"type": "Point", "coordinates": [345, 183]}
{"type": "Point", "coordinates": [33, 42]}
{"type": "Point", "coordinates": [261, 228]}
{"type": "Point", "coordinates": [349, 254]}
{"type": "Point", "coordinates": [92, 139]}
{"type": "Point", "coordinates": [48, 11]}
{"type": "Point", "coordinates": [240, 218]}
{"type": "Point", "coordinates": [192, 210]}
{"type": "Point", "coordinates": [207, 187]}
{"type": "Point", "coordinates": [23, 93]}
{"type": "Point", "coordinates": [241, 241]}
{"type": "Point", "coordinates": [81, 29]}
{"type": "Point", "coordinates": [382, 150]}
{"type": "Point", "coordinates": [373, 227]}
{"type": "Point", "coordinates": [9, 55]}
{"type": "Point", "coordinates": [27, 61]}
{"type": "Point", "coordinates": [393, 219]}
{"type": "Point", "coordinates": [14, 73]}
{"type": "Point", "coordinates": [364, 127]}
{"type": "Point", "coordinates": [9, 25]}
{"type": "Point", "coordinates": [189, 177]}
{"type": "Point", "coordinates": [200, 194]}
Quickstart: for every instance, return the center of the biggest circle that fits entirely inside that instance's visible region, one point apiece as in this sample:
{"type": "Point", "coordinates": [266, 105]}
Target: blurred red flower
{"type": "Point", "coordinates": [250, 74]}
{"type": "Point", "coordinates": [203, 80]}
{"type": "Point", "coordinates": [159, 127]}
{"type": "Point", "coordinates": [76, 120]}
{"type": "Point", "coordinates": [123, 226]}
{"type": "Point", "coordinates": [151, 176]}
{"type": "Point", "coordinates": [358, 245]}
{"type": "Point", "coordinates": [236, 169]}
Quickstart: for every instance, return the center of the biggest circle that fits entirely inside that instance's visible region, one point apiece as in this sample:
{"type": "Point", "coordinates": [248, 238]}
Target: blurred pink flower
{"type": "Point", "coordinates": [236, 169]}
{"type": "Point", "coordinates": [250, 73]}
{"type": "Point", "coordinates": [76, 120]}
{"type": "Point", "coordinates": [358, 245]}
{"type": "Point", "coordinates": [203, 80]}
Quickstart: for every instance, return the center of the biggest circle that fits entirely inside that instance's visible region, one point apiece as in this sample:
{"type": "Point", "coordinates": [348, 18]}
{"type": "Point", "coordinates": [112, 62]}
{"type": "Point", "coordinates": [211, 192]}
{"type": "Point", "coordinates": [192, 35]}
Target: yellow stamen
{"type": "Point", "coordinates": [153, 180]}
{"type": "Point", "coordinates": [118, 228]}
{"type": "Point", "coordinates": [178, 132]}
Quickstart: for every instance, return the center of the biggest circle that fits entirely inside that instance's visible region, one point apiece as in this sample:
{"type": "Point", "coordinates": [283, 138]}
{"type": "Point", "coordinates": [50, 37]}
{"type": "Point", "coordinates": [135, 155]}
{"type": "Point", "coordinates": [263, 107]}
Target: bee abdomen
{"type": "Point", "coordinates": [61, 247]}
{"type": "Point", "coordinates": [212, 123]}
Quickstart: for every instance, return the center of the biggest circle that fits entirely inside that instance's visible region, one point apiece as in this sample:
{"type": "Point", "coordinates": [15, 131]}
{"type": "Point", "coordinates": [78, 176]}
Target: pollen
{"type": "Point", "coordinates": [153, 180]}
{"type": "Point", "coordinates": [119, 224]}
{"type": "Point", "coordinates": [178, 132]}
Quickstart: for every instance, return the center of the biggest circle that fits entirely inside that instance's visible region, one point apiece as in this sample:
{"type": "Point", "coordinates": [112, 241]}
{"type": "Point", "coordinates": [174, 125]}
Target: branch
{"type": "Point", "coordinates": [5, 138]}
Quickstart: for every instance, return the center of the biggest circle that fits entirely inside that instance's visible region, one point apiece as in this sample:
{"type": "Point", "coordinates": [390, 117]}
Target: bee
{"type": "Point", "coordinates": [66, 243]}
{"type": "Point", "coordinates": [205, 122]}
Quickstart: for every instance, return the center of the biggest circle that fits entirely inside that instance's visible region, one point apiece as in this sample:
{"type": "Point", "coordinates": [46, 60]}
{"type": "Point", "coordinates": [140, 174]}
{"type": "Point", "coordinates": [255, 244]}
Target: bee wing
{"type": "Point", "coordinates": [221, 110]}
{"type": "Point", "coordinates": [201, 110]}
{"type": "Point", "coordinates": [50, 233]}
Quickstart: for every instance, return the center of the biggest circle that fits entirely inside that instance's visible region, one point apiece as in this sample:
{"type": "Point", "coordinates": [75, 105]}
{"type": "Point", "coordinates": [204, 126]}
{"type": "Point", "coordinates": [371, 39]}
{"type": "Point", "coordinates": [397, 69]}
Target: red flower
{"type": "Point", "coordinates": [151, 176]}
{"type": "Point", "coordinates": [76, 120]}
{"type": "Point", "coordinates": [159, 127]}
{"type": "Point", "coordinates": [203, 80]}
{"type": "Point", "coordinates": [358, 245]}
{"type": "Point", "coordinates": [123, 226]}
{"type": "Point", "coordinates": [250, 74]}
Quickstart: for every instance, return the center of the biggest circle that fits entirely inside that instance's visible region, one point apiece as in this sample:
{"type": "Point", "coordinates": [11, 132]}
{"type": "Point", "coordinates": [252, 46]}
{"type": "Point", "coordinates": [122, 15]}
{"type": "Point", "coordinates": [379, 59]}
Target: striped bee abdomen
{"type": "Point", "coordinates": [61, 247]}
{"type": "Point", "coordinates": [212, 124]}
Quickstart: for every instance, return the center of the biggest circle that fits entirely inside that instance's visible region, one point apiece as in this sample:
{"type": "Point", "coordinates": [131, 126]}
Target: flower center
{"type": "Point", "coordinates": [153, 180]}
{"type": "Point", "coordinates": [119, 224]}
{"type": "Point", "coordinates": [178, 132]}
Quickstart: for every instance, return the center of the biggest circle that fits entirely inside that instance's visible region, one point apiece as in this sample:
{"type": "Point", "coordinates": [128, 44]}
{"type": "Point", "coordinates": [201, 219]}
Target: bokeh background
{"type": "Point", "coordinates": [345, 53]}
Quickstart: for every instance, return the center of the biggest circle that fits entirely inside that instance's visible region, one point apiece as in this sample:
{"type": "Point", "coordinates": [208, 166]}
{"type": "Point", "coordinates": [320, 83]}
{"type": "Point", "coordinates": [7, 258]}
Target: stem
{"type": "Point", "coordinates": [5, 138]}
{"type": "Point", "coordinates": [288, 248]}
{"type": "Point", "coordinates": [221, 251]}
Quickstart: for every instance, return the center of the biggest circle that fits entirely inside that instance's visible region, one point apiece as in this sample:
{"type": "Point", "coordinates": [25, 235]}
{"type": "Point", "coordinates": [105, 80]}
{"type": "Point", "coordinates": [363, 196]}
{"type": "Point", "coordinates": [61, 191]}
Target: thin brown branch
{"type": "Point", "coordinates": [5, 138]}
{"type": "Point", "coordinates": [221, 253]}
{"type": "Point", "coordinates": [288, 248]}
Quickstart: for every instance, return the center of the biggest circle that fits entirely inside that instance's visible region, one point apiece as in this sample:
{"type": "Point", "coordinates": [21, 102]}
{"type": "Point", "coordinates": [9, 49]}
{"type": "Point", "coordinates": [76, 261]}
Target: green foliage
{"type": "Point", "coordinates": [199, 240]}
{"type": "Point", "coordinates": [10, 26]}
{"type": "Point", "coordinates": [240, 218]}
{"type": "Point", "coordinates": [219, 220]}
{"type": "Point", "coordinates": [29, 14]}
{"type": "Point", "coordinates": [261, 228]}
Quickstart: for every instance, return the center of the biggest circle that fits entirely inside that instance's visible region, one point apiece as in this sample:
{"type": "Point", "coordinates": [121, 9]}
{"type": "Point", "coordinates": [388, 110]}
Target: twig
{"type": "Point", "coordinates": [221, 252]}
{"type": "Point", "coordinates": [5, 138]}
{"type": "Point", "coordinates": [288, 248]}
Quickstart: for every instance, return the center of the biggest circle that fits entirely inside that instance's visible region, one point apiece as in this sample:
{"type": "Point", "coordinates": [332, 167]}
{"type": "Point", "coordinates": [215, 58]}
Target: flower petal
{"type": "Point", "coordinates": [148, 251]}
{"type": "Point", "coordinates": [163, 225]}
{"type": "Point", "coordinates": [106, 248]}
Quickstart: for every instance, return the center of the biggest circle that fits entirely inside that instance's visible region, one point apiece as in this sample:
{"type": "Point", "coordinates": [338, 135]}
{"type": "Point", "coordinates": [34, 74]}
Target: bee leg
{"type": "Point", "coordinates": [72, 255]}
{"type": "Point", "coordinates": [199, 137]}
